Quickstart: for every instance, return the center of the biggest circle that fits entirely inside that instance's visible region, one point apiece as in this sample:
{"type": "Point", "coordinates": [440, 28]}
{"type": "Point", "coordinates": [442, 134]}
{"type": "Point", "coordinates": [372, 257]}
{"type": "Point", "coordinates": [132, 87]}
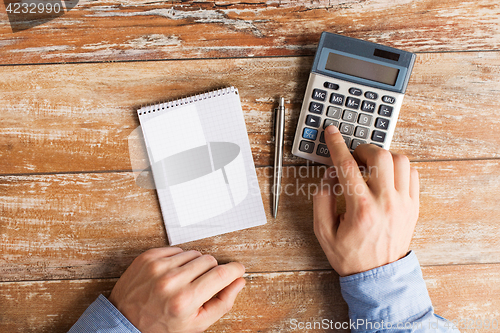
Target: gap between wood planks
{"type": "Point", "coordinates": [257, 167]}
{"type": "Point", "coordinates": [205, 59]}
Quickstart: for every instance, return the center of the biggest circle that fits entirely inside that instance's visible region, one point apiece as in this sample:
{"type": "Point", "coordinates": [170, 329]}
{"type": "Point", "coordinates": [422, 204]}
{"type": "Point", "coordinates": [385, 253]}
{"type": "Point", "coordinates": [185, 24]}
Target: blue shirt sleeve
{"type": "Point", "coordinates": [392, 298]}
{"type": "Point", "coordinates": [102, 317]}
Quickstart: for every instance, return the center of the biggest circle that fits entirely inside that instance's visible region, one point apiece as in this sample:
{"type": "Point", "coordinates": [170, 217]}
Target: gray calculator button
{"type": "Point", "coordinates": [382, 123]}
{"type": "Point", "coordinates": [355, 143]}
{"type": "Point", "coordinates": [329, 122]}
{"type": "Point", "coordinates": [306, 146]}
{"type": "Point", "coordinates": [323, 151]}
{"type": "Point", "coordinates": [347, 140]}
{"type": "Point", "coordinates": [361, 132]}
{"type": "Point", "coordinates": [352, 102]}
{"type": "Point", "coordinates": [322, 137]}
{"type": "Point", "coordinates": [368, 106]}
{"type": "Point", "coordinates": [316, 108]}
{"type": "Point", "coordinates": [364, 119]}
{"type": "Point", "coordinates": [355, 91]}
{"type": "Point", "coordinates": [333, 112]}
{"type": "Point", "coordinates": [350, 116]}
{"type": "Point", "coordinates": [337, 99]}
{"type": "Point", "coordinates": [388, 99]}
{"type": "Point", "coordinates": [309, 133]}
{"type": "Point", "coordinates": [330, 85]}
{"type": "Point", "coordinates": [313, 121]}
{"type": "Point", "coordinates": [319, 95]}
{"type": "Point", "coordinates": [385, 110]}
{"type": "Point", "coordinates": [378, 136]}
{"type": "Point", "coordinates": [346, 129]}
{"type": "Point", "coordinates": [371, 95]}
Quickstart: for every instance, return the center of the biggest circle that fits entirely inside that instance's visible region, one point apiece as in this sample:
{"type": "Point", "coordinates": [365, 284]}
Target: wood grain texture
{"type": "Point", "coordinates": [111, 30]}
{"type": "Point", "coordinates": [71, 118]}
{"type": "Point", "coordinates": [268, 302]}
{"type": "Point", "coordinates": [71, 226]}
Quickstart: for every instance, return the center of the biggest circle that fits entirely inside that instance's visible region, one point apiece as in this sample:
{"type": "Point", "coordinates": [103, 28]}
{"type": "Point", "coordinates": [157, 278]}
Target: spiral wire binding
{"type": "Point", "coordinates": [185, 100]}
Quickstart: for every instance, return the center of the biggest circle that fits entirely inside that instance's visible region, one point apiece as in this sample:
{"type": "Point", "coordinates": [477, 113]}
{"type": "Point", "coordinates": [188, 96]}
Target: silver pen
{"type": "Point", "coordinates": [279, 136]}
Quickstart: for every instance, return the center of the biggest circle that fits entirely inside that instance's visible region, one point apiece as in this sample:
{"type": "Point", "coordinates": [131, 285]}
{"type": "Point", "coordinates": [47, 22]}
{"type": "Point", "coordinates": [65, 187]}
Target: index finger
{"type": "Point", "coordinates": [347, 169]}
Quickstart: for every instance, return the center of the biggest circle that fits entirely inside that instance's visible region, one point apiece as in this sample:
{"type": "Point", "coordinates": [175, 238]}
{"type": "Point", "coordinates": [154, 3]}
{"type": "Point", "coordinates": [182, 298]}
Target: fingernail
{"type": "Point", "coordinates": [332, 129]}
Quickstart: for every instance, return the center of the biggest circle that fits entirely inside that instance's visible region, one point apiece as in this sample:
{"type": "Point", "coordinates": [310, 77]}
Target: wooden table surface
{"type": "Point", "coordinates": [72, 218]}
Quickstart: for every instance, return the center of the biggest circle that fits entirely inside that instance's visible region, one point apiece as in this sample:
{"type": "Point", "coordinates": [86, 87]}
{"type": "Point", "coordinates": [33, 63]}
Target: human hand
{"type": "Point", "coordinates": [381, 213]}
{"type": "Point", "coordinates": [167, 290]}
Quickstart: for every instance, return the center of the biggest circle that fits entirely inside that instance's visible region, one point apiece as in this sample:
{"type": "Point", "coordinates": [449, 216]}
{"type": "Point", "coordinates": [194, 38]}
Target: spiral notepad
{"type": "Point", "coordinates": [202, 165]}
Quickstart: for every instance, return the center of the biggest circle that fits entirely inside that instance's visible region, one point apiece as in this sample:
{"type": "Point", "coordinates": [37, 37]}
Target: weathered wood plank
{"type": "Point", "coordinates": [110, 30]}
{"type": "Point", "coordinates": [62, 118]}
{"type": "Point", "coordinates": [68, 226]}
{"type": "Point", "coordinates": [268, 302]}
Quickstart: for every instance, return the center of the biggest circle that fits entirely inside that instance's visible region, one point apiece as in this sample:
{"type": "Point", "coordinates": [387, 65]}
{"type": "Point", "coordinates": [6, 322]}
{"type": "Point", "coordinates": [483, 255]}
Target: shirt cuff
{"type": "Point", "coordinates": [394, 293]}
{"type": "Point", "coordinates": [103, 316]}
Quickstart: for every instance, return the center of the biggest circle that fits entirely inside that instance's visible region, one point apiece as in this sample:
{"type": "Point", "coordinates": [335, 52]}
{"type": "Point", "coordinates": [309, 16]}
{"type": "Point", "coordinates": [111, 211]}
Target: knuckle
{"type": "Point", "coordinates": [347, 165]}
{"type": "Point", "coordinates": [210, 259]}
{"type": "Point", "coordinates": [223, 272]}
{"type": "Point", "coordinates": [179, 303]}
{"type": "Point", "coordinates": [382, 156]}
{"type": "Point", "coordinates": [401, 160]}
{"type": "Point", "coordinates": [154, 268]}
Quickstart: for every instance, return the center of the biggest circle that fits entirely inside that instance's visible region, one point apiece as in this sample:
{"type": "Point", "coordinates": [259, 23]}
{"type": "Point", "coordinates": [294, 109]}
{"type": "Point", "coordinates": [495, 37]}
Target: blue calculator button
{"type": "Point", "coordinates": [313, 121]}
{"type": "Point", "coordinates": [309, 133]}
{"type": "Point", "coordinates": [316, 108]}
{"type": "Point", "coordinates": [337, 99]}
{"type": "Point", "coordinates": [319, 94]}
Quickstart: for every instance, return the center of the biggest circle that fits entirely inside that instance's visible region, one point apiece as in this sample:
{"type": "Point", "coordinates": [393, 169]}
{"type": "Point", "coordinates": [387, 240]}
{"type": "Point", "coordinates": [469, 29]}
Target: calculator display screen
{"type": "Point", "coordinates": [363, 69]}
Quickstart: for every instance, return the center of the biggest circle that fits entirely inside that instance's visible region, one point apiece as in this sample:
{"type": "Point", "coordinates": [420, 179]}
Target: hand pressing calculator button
{"type": "Point", "coordinates": [355, 87]}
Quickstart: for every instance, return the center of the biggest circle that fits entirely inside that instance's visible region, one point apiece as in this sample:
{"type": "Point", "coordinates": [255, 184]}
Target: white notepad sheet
{"type": "Point", "coordinates": [202, 165]}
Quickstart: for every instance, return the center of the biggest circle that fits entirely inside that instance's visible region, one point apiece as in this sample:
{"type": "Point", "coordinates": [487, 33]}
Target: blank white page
{"type": "Point", "coordinates": [202, 165]}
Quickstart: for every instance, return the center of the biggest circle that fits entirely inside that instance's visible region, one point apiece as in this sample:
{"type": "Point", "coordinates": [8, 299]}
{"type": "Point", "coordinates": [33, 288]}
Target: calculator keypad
{"type": "Point", "coordinates": [361, 115]}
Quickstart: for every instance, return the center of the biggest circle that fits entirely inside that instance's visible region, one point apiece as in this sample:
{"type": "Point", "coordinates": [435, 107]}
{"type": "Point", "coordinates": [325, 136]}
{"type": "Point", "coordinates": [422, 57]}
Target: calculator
{"type": "Point", "coordinates": [357, 86]}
